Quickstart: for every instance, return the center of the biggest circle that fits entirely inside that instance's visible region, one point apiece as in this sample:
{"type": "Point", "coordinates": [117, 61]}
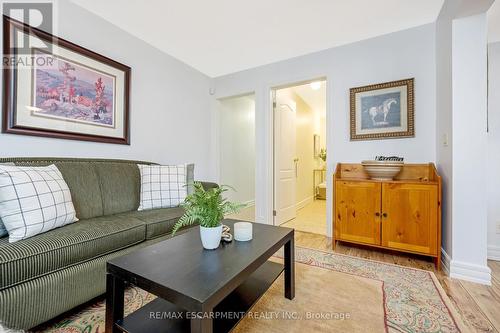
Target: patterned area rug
{"type": "Point", "coordinates": [334, 293]}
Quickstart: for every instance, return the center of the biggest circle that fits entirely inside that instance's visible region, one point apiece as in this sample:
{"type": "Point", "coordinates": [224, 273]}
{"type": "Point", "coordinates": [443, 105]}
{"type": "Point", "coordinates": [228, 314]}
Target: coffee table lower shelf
{"type": "Point", "coordinates": [153, 317]}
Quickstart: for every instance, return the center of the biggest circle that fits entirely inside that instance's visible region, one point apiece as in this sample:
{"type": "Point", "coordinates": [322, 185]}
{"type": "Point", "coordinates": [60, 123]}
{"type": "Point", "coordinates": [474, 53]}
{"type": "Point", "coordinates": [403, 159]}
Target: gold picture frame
{"type": "Point", "coordinates": [383, 111]}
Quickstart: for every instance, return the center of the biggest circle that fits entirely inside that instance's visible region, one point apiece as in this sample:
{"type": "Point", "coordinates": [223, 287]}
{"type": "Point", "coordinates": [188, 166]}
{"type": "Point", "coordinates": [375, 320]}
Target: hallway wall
{"type": "Point", "coordinates": [237, 147]}
{"type": "Point", "coordinates": [494, 151]}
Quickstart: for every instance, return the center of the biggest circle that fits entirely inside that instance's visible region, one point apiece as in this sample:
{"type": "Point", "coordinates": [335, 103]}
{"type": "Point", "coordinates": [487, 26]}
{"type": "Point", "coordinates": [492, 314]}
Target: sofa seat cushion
{"type": "Point", "coordinates": [158, 222]}
{"type": "Point", "coordinates": [66, 246]}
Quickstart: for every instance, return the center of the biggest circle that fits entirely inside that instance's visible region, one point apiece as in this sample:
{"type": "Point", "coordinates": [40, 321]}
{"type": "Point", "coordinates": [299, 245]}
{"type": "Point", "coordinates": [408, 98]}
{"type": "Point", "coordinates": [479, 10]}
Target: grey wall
{"type": "Point", "coordinates": [444, 106]}
{"type": "Point", "coordinates": [400, 55]}
{"type": "Point", "coordinates": [236, 158]}
{"type": "Point", "coordinates": [470, 84]}
{"type": "Point", "coordinates": [494, 151]}
{"type": "Point", "coordinates": [169, 100]}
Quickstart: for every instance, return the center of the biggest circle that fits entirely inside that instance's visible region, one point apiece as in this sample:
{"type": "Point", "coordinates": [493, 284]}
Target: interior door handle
{"type": "Point", "coordinates": [296, 162]}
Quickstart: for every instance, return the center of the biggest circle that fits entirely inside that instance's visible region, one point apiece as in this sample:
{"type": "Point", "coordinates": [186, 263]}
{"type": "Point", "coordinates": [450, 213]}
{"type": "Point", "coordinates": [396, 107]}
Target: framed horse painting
{"type": "Point", "coordinates": [383, 111]}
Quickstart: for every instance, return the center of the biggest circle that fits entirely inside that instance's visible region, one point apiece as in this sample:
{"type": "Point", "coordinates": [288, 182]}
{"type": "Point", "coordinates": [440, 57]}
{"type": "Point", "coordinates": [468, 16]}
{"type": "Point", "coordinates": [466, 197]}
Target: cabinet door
{"type": "Point", "coordinates": [357, 212]}
{"type": "Point", "coordinates": [410, 217]}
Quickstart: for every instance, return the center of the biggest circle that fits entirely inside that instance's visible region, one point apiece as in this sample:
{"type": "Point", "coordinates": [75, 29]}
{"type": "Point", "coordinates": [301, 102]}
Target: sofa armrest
{"type": "Point", "coordinates": [209, 185]}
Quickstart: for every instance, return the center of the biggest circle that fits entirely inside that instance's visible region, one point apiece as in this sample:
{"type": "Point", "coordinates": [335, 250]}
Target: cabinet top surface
{"type": "Point", "coordinates": [410, 173]}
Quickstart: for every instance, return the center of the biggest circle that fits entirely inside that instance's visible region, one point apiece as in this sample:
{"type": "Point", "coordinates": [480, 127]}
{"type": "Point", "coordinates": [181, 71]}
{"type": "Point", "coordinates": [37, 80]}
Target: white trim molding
{"type": "Point", "coordinates": [494, 252]}
{"type": "Point", "coordinates": [249, 203]}
{"type": "Point", "coordinates": [470, 272]}
{"type": "Point", "coordinates": [445, 262]}
{"type": "Point", "coordinates": [465, 271]}
{"type": "Point", "coordinates": [303, 203]}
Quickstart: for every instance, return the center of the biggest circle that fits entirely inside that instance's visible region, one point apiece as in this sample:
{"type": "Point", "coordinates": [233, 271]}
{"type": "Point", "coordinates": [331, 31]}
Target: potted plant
{"type": "Point", "coordinates": [322, 155]}
{"type": "Point", "coordinates": [207, 208]}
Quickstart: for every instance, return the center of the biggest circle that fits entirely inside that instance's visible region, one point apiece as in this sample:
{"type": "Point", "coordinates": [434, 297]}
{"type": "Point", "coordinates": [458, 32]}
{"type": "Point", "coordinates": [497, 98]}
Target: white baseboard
{"type": "Point", "coordinates": [494, 252]}
{"type": "Point", "coordinates": [470, 272]}
{"type": "Point", "coordinates": [303, 203]}
{"type": "Point", "coordinates": [465, 271]}
{"type": "Point", "coordinates": [250, 203]}
{"type": "Point", "coordinates": [445, 262]}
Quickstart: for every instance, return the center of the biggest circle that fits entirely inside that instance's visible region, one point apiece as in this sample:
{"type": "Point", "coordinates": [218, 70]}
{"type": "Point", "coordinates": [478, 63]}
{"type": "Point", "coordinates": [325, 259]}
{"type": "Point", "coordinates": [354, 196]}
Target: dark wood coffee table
{"type": "Point", "coordinates": [198, 290]}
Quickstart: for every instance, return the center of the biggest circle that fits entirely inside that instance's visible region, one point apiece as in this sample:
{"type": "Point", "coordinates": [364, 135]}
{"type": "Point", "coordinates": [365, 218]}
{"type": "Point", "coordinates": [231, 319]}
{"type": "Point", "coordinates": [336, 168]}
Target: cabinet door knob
{"type": "Point", "coordinates": [384, 214]}
{"type": "Point", "coordinates": [377, 214]}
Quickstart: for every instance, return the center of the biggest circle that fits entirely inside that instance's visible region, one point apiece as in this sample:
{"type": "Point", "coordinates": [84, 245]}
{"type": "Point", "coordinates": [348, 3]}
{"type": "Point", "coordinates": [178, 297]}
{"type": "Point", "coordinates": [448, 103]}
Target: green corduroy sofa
{"type": "Point", "coordinates": [46, 275]}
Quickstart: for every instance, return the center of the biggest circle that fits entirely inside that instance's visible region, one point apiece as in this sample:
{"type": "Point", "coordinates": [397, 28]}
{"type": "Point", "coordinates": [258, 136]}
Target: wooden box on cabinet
{"type": "Point", "coordinates": [403, 214]}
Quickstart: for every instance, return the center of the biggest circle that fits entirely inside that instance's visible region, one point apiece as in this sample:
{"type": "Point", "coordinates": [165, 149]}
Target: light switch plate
{"type": "Point", "coordinates": [445, 139]}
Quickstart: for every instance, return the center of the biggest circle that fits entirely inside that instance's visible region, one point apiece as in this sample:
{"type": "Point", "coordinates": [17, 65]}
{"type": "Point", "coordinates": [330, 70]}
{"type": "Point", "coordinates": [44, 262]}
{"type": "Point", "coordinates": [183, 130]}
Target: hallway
{"type": "Point", "coordinates": [311, 218]}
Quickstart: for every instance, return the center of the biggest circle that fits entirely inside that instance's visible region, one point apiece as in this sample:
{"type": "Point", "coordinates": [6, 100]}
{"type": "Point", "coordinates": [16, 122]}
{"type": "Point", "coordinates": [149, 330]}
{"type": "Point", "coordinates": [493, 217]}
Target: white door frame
{"type": "Point", "coordinates": [270, 155]}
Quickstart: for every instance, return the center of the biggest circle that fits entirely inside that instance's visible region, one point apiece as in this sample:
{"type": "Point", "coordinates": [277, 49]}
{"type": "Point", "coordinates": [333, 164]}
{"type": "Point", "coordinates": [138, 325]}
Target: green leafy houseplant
{"type": "Point", "coordinates": [206, 207]}
{"type": "Point", "coordinates": [322, 154]}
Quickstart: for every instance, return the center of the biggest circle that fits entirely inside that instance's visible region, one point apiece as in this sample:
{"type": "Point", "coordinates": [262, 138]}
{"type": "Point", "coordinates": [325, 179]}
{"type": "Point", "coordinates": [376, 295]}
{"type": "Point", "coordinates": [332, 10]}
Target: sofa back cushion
{"type": "Point", "coordinates": [83, 182]}
{"type": "Point", "coordinates": [120, 186]}
{"type": "Point", "coordinates": [98, 186]}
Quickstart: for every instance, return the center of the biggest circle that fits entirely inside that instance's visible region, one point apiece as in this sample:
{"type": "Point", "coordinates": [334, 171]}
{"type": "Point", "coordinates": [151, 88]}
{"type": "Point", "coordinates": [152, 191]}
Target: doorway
{"type": "Point", "coordinates": [236, 151]}
{"type": "Point", "coordinates": [300, 156]}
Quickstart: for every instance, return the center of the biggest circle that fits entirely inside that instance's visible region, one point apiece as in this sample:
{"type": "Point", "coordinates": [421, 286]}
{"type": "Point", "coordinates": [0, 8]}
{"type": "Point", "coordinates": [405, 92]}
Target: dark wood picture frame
{"type": "Point", "coordinates": [410, 99]}
{"type": "Point", "coordinates": [10, 83]}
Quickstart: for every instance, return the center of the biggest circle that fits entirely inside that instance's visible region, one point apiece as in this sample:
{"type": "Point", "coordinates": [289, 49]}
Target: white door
{"type": "Point", "coordinates": [285, 159]}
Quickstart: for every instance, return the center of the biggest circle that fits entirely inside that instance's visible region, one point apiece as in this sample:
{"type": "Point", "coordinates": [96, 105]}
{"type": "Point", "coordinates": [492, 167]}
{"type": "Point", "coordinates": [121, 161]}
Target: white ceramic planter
{"type": "Point", "coordinates": [210, 237]}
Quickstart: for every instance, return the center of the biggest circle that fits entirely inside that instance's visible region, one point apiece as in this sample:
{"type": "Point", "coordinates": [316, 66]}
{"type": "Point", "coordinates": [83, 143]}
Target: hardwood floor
{"type": "Point", "coordinates": [478, 305]}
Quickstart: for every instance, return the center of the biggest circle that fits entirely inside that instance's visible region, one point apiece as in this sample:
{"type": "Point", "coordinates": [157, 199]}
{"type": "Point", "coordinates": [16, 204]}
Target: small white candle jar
{"type": "Point", "coordinates": [243, 231]}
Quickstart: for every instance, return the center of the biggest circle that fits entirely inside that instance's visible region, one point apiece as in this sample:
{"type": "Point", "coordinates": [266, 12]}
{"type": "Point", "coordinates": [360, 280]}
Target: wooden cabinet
{"type": "Point", "coordinates": [358, 207]}
{"type": "Point", "coordinates": [403, 214]}
{"type": "Point", "coordinates": [410, 220]}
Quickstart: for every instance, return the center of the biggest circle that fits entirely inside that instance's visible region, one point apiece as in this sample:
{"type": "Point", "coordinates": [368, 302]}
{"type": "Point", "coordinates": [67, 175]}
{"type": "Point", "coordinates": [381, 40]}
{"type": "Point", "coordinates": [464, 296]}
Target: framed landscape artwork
{"type": "Point", "coordinates": [69, 92]}
{"type": "Point", "coordinates": [382, 111]}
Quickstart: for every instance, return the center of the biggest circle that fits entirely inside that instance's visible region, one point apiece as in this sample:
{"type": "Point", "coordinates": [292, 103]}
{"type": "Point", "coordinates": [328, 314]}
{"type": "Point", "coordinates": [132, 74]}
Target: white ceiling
{"type": "Point", "coordinates": [494, 22]}
{"type": "Point", "coordinates": [316, 99]}
{"type": "Point", "coordinates": [218, 37]}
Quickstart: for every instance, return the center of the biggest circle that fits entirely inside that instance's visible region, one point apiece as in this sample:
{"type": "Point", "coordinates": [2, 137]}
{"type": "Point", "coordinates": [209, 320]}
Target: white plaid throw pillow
{"type": "Point", "coordinates": [33, 200]}
{"type": "Point", "coordinates": [162, 186]}
{"type": "Point", "coordinates": [3, 231]}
